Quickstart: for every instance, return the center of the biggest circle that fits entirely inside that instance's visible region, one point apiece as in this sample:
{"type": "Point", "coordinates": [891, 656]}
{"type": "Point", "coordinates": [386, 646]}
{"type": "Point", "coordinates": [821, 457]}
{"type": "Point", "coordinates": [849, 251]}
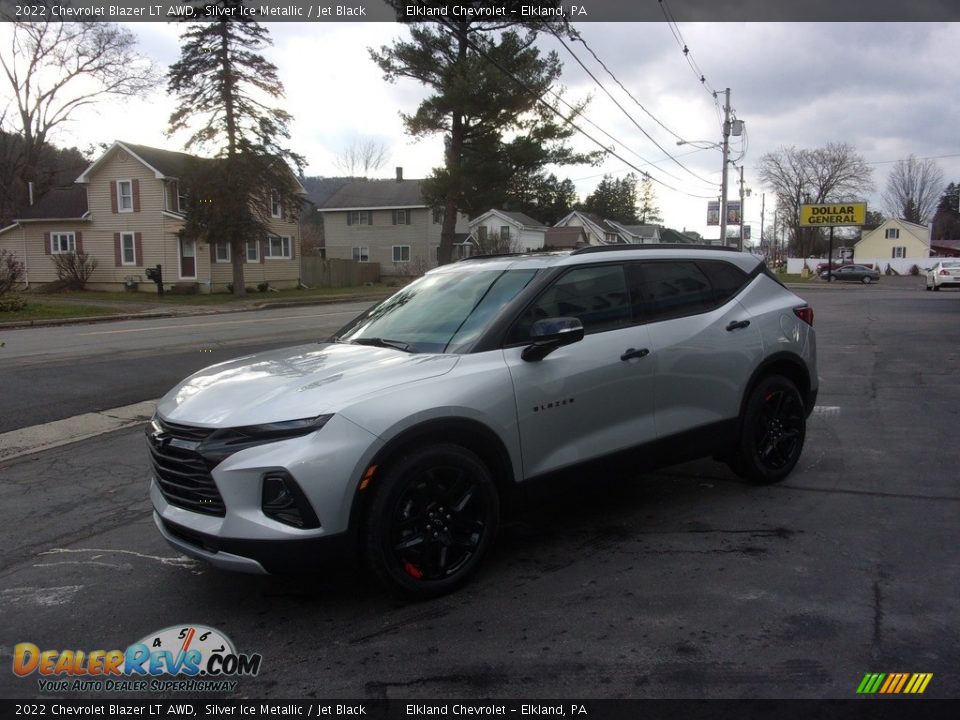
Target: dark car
{"type": "Point", "coordinates": [862, 273]}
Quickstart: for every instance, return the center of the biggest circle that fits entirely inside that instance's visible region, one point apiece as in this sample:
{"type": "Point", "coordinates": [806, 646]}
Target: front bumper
{"type": "Point", "coordinates": [326, 466]}
{"type": "Point", "coordinates": [259, 557]}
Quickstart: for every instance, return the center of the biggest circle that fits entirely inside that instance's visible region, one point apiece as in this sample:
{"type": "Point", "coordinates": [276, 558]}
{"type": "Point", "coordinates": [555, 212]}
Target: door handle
{"type": "Point", "coordinates": [737, 325]}
{"type": "Point", "coordinates": [634, 353]}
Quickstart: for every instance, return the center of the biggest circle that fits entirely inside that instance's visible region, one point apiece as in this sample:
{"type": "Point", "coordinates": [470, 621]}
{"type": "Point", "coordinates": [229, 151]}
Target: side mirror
{"type": "Point", "coordinates": [549, 334]}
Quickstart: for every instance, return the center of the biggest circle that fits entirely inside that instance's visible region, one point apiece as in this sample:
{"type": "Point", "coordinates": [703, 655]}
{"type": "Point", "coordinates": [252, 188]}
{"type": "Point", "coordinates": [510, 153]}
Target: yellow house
{"type": "Point", "coordinates": [894, 240]}
{"type": "Point", "coordinates": [127, 211]}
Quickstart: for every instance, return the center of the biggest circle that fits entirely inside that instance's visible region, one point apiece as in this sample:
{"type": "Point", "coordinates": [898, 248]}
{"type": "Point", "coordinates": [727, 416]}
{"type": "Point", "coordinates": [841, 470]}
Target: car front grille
{"type": "Point", "coordinates": [181, 472]}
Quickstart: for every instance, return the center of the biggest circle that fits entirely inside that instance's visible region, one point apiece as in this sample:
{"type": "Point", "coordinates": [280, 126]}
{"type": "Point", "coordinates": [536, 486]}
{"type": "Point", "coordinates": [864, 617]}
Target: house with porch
{"type": "Point", "coordinates": [127, 211]}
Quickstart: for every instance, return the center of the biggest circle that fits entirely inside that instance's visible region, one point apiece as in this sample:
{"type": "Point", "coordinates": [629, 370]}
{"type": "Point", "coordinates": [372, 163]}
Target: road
{"type": "Point", "coordinates": [685, 583]}
{"type": "Point", "coordinates": [55, 372]}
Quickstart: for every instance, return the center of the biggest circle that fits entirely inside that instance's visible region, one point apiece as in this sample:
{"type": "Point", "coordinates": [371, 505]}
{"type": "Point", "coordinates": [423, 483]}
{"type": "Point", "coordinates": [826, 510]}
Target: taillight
{"type": "Point", "coordinates": [805, 313]}
{"type": "Point", "coordinates": [944, 272]}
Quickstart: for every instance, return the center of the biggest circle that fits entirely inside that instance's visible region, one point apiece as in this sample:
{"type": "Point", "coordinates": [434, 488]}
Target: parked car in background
{"type": "Point", "coordinates": [946, 273]}
{"type": "Point", "coordinates": [402, 436]}
{"type": "Point", "coordinates": [861, 273]}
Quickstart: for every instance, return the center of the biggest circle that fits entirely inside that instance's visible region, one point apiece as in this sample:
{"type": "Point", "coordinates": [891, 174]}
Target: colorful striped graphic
{"type": "Point", "coordinates": [894, 683]}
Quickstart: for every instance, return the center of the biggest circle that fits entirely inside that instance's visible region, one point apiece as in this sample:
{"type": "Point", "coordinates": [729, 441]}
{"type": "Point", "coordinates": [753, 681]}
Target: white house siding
{"type": "Point", "coordinates": [875, 244]}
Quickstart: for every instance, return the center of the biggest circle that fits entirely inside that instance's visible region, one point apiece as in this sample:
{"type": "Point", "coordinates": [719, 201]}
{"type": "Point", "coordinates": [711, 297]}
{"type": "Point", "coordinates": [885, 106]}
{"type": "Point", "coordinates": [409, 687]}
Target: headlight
{"type": "Point", "coordinates": [223, 443]}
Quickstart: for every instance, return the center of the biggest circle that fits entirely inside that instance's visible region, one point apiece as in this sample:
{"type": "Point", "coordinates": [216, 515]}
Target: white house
{"type": "Point", "coordinates": [519, 232]}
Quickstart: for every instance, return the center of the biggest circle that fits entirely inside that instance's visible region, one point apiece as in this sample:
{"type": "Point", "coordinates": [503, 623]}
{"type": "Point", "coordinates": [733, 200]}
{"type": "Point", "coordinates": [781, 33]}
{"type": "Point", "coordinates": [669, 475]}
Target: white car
{"type": "Point", "coordinates": [946, 273]}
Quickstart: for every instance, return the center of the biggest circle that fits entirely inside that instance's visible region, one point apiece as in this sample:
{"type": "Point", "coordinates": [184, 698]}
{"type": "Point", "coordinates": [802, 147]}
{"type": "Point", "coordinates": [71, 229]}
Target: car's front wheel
{"type": "Point", "coordinates": [434, 515]}
{"type": "Point", "coordinates": [773, 428]}
{"type": "Point", "coordinates": [867, 280]}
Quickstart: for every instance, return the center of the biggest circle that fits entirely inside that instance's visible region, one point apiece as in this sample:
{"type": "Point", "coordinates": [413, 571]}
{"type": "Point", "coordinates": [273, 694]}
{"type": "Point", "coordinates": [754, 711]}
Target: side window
{"type": "Point", "coordinates": [725, 278]}
{"type": "Point", "coordinates": [670, 289]}
{"type": "Point", "coordinates": [598, 296]}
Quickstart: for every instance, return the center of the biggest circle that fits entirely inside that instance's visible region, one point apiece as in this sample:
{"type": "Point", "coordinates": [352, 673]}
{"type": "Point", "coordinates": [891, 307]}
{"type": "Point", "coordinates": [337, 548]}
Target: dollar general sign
{"type": "Point", "coordinates": [832, 214]}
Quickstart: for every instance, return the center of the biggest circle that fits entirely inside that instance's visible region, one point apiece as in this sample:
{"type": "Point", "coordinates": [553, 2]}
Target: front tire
{"type": "Point", "coordinates": [773, 428]}
{"type": "Point", "coordinates": [433, 517]}
{"type": "Point", "coordinates": [867, 280]}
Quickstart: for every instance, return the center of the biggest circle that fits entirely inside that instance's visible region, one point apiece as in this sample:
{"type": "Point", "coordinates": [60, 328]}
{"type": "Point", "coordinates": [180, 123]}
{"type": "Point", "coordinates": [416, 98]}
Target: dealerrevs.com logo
{"type": "Point", "coordinates": [180, 658]}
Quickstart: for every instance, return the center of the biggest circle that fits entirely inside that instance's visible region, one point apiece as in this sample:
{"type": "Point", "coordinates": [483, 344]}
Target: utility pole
{"type": "Point", "coordinates": [743, 210]}
{"type": "Point", "coordinates": [763, 207]}
{"type": "Point", "coordinates": [723, 183]}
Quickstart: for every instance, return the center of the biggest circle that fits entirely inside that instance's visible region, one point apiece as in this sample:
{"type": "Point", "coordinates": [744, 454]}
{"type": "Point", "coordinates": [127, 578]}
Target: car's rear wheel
{"type": "Point", "coordinates": [867, 280]}
{"type": "Point", "coordinates": [434, 515]}
{"type": "Point", "coordinates": [773, 429]}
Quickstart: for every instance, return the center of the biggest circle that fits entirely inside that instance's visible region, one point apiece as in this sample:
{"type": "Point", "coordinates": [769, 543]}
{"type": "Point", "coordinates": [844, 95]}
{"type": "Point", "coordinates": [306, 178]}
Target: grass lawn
{"type": "Point", "coordinates": [54, 311]}
{"type": "Point", "coordinates": [216, 298]}
{"type": "Point", "coordinates": [796, 278]}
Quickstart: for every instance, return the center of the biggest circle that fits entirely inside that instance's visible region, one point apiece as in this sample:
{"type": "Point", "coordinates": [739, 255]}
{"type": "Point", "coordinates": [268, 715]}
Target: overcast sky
{"type": "Point", "coordinates": [888, 89]}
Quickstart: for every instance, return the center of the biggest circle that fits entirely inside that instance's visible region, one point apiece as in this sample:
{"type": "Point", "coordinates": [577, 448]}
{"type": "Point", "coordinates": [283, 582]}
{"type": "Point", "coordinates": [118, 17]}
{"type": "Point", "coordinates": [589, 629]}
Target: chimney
{"type": "Point", "coordinates": [399, 174]}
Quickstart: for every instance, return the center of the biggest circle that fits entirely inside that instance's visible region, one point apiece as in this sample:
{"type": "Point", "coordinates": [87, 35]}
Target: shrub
{"type": "Point", "coordinates": [915, 270]}
{"type": "Point", "coordinates": [12, 302]}
{"type": "Point", "coordinates": [11, 271]}
{"type": "Point", "coordinates": [74, 269]}
{"type": "Point", "coordinates": [263, 287]}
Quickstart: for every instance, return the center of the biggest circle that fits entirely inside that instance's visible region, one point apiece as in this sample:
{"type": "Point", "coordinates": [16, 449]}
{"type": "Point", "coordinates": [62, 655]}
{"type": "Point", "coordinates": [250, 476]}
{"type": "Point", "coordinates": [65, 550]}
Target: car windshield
{"type": "Point", "coordinates": [443, 312]}
{"type": "Point", "coordinates": [954, 264]}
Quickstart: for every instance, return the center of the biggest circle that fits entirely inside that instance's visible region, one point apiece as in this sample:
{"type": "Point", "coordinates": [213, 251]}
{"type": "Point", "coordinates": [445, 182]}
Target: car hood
{"type": "Point", "coordinates": [293, 383]}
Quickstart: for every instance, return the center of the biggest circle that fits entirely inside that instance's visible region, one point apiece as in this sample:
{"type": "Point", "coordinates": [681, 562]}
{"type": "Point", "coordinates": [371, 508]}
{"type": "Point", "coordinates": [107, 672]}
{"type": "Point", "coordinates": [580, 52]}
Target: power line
{"type": "Point", "coordinates": [482, 53]}
{"type": "Point", "coordinates": [624, 111]}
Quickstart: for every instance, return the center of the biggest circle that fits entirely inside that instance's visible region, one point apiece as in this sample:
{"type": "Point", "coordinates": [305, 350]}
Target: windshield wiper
{"type": "Point", "coordinates": [383, 342]}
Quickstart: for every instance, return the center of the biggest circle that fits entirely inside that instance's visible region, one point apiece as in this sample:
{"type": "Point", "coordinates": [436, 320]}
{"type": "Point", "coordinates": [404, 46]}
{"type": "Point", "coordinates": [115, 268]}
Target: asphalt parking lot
{"type": "Point", "coordinates": [684, 583]}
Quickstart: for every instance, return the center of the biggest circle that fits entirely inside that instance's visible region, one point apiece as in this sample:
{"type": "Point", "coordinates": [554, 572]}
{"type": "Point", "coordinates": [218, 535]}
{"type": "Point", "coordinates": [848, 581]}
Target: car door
{"type": "Point", "coordinates": [592, 397]}
{"type": "Point", "coordinates": [703, 340]}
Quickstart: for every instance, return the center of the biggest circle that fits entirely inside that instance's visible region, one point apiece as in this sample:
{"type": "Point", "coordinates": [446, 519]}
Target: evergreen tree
{"type": "Point", "coordinates": [648, 211]}
{"type": "Point", "coordinates": [614, 199]}
{"type": "Point", "coordinates": [220, 79]}
{"type": "Point", "coordinates": [946, 220]}
{"type": "Point", "coordinates": [474, 104]}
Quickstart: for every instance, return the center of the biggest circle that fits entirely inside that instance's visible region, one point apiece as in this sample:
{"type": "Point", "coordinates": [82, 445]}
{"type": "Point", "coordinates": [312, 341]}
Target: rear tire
{"type": "Point", "coordinates": [773, 428]}
{"type": "Point", "coordinates": [867, 280]}
{"type": "Point", "coordinates": [433, 517]}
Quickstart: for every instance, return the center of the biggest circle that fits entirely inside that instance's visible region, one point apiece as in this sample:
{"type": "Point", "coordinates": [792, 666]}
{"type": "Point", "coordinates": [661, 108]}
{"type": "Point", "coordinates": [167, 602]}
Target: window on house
{"type": "Point", "coordinates": [401, 217]}
{"type": "Point", "coordinates": [892, 233]}
{"type": "Point", "coordinates": [504, 232]}
{"type": "Point", "coordinates": [610, 237]}
{"type": "Point", "coordinates": [900, 251]}
{"type": "Point", "coordinates": [181, 198]}
{"type": "Point", "coordinates": [253, 251]}
{"type": "Point", "coordinates": [275, 208]}
{"type": "Point", "coordinates": [125, 195]}
{"type": "Point", "coordinates": [437, 216]}
{"type": "Point", "coordinates": [401, 253]}
{"type": "Point", "coordinates": [278, 247]}
{"type": "Point", "coordinates": [128, 248]}
{"type": "Point", "coordinates": [361, 254]}
{"type": "Point", "coordinates": [360, 217]}
{"type": "Point", "coordinates": [62, 243]}
{"type": "Point", "coordinates": [482, 233]}
{"type": "Point", "coordinates": [223, 251]}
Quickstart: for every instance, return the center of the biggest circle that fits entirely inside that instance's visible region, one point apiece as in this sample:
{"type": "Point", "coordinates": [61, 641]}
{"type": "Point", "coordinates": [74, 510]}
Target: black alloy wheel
{"type": "Point", "coordinates": [773, 431]}
{"type": "Point", "coordinates": [433, 516]}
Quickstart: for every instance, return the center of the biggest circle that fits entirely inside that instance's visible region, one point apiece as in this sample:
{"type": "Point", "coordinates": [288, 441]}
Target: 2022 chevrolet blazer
{"type": "Point", "coordinates": [399, 439]}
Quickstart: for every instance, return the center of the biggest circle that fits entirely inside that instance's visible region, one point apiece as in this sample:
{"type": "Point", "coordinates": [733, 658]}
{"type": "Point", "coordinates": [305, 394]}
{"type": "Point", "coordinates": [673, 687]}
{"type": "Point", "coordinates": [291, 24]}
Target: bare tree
{"type": "Point", "coordinates": [833, 173]}
{"type": "Point", "coordinates": [362, 157]}
{"type": "Point", "coordinates": [913, 189]}
{"type": "Point", "coordinates": [52, 69]}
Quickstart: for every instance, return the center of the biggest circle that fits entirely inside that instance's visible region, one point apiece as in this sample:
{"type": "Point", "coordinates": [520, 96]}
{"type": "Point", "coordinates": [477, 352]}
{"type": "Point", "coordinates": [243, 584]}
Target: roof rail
{"type": "Point", "coordinates": [492, 255]}
{"type": "Point", "coordinates": [651, 246]}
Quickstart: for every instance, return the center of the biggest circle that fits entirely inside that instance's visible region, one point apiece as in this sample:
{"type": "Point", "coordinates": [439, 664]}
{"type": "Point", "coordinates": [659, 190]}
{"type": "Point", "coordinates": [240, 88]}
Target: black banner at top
{"type": "Point", "coordinates": [427, 10]}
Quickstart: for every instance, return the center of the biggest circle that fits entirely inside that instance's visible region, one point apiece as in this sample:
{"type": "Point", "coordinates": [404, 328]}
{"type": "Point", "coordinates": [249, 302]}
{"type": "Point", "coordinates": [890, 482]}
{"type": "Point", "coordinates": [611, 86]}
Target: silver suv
{"type": "Point", "coordinates": [403, 436]}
